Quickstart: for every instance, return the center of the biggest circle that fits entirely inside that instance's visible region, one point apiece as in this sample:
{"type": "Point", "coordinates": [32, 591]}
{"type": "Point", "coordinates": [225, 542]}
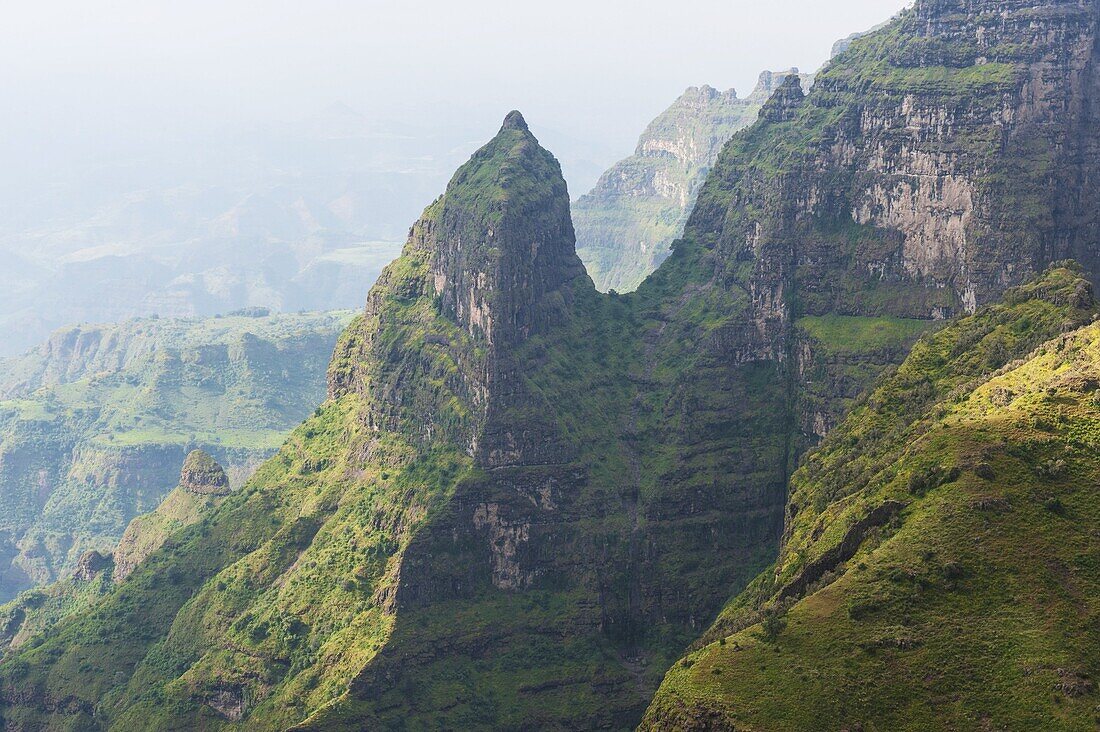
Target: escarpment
{"type": "Point", "coordinates": [938, 544]}
{"type": "Point", "coordinates": [628, 221]}
{"type": "Point", "coordinates": [937, 161]}
{"type": "Point", "coordinates": [523, 499]}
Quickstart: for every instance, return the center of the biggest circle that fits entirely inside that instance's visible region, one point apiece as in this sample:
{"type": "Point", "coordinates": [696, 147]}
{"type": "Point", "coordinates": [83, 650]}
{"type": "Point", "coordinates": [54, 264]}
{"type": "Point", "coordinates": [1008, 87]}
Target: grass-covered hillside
{"type": "Point", "coordinates": [203, 485]}
{"type": "Point", "coordinates": [941, 564]}
{"type": "Point", "coordinates": [523, 498]}
{"type": "Point", "coordinates": [95, 423]}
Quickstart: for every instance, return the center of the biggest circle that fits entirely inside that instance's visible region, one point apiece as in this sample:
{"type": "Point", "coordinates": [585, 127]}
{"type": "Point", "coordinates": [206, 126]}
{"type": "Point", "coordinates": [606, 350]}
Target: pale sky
{"type": "Point", "coordinates": [596, 68]}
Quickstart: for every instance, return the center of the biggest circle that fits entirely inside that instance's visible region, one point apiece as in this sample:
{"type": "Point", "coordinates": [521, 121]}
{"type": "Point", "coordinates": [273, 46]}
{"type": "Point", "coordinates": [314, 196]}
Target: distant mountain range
{"type": "Point", "coordinates": [295, 216]}
{"type": "Point", "coordinates": [94, 423]}
{"type": "Point", "coordinates": [626, 224]}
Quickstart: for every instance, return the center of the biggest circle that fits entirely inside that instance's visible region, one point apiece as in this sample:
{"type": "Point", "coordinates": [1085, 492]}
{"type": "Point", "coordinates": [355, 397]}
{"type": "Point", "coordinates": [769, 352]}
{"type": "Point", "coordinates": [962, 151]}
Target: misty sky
{"type": "Point", "coordinates": [75, 74]}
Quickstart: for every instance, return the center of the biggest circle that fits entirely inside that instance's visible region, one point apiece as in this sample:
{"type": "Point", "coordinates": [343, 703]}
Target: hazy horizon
{"type": "Point", "coordinates": [189, 160]}
{"type": "Point", "coordinates": [92, 79]}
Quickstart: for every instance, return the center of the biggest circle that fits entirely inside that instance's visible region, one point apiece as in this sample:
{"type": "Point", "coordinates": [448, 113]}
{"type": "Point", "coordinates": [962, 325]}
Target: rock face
{"type": "Point", "coordinates": [880, 576]}
{"type": "Point", "coordinates": [627, 223]}
{"type": "Point", "coordinates": [523, 498]}
{"type": "Point", "coordinates": [502, 265]}
{"type": "Point", "coordinates": [38, 611]}
{"type": "Point", "coordinates": [202, 475]}
{"type": "Point", "coordinates": [936, 162]}
{"type": "Point", "coordinates": [95, 423]}
{"type": "Point", "coordinates": [90, 564]}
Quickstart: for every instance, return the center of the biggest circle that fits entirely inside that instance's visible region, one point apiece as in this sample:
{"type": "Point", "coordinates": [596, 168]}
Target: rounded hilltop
{"type": "Point", "coordinates": [514, 121]}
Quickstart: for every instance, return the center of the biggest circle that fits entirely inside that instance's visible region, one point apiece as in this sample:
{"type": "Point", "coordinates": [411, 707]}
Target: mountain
{"type": "Point", "coordinates": [203, 483]}
{"type": "Point", "coordinates": [95, 422]}
{"type": "Point", "coordinates": [522, 498]}
{"type": "Point", "coordinates": [939, 563]}
{"type": "Point", "coordinates": [288, 215]}
{"type": "Point", "coordinates": [626, 224]}
{"type": "Point", "coordinates": [410, 521]}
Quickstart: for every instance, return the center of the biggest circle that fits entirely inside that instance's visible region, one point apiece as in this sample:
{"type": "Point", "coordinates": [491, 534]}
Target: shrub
{"type": "Point", "coordinates": [953, 570]}
{"type": "Point", "coordinates": [1052, 469]}
{"type": "Point", "coordinates": [773, 624]}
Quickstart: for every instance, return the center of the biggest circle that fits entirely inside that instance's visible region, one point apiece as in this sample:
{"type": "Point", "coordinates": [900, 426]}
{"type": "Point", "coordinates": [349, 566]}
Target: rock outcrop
{"type": "Point", "coordinates": [523, 498]}
{"type": "Point", "coordinates": [202, 485]}
{"type": "Point", "coordinates": [202, 475]}
{"type": "Point", "coordinates": [627, 223]}
{"type": "Point", "coordinates": [90, 564]}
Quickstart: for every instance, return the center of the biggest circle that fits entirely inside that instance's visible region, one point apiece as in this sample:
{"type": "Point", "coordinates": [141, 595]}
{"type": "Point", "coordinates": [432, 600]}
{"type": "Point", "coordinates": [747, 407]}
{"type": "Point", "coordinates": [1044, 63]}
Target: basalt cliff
{"type": "Point", "coordinates": [95, 422]}
{"type": "Point", "coordinates": [523, 499]}
{"type": "Point", "coordinates": [627, 223]}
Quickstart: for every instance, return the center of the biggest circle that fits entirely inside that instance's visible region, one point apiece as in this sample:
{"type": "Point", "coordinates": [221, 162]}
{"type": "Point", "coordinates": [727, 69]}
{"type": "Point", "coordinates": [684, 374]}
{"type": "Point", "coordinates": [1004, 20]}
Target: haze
{"type": "Point", "coordinates": [591, 70]}
{"type": "Point", "coordinates": [188, 159]}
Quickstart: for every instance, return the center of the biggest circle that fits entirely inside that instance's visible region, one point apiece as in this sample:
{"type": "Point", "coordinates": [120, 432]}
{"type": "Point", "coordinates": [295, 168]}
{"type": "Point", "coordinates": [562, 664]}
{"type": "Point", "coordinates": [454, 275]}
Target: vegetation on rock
{"type": "Point", "coordinates": [523, 498]}
{"type": "Point", "coordinates": [95, 423]}
{"type": "Point", "coordinates": [939, 546]}
{"type": "Point", "coordinates": [627, 223]}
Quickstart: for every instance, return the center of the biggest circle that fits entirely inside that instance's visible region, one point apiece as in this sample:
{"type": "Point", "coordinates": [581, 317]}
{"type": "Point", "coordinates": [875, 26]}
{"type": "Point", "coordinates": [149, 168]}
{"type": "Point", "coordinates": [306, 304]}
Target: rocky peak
{"type": "Point", "coordinates": [699, 97]}
{"type": "Point", "coordinates": [771, 81]}
{"type": "Point", "coordinates": [90, 564]}
{"type": "Point", "coordinates": [785, 101]}
{"type": "Point", "coordinates": [202, 475]}
{"type": "Point", "coordinates": [504, 249]}
{"type": "Point", "coordinates": [514, 121]}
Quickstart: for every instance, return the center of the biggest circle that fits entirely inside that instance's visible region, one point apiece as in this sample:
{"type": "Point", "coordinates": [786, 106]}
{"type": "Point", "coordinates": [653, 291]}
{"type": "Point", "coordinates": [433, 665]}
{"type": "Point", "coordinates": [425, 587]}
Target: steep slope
{"type": "Point", "coordinates": [941, 565]}
{"type": "Point", "coordinates": [936, 162]}
{"type": "Point", "coordinates": [95, 422]}
{"type": "Point", "coordinates": [626, 224]}
{"type": "Point", "coordinates": [203, 484]}
{"type": "Point", "coordinates": [508, 461]}
{"type": "Point", "coordinates": [524, 498]}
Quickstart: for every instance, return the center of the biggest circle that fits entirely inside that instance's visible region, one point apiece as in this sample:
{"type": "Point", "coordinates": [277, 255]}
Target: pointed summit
{"type": "Point", "coordinates": [514, 121]}
{"type": "Point", "coordinates": [785, 101]}
{"type": "Point", "coordinates": [504, 239]}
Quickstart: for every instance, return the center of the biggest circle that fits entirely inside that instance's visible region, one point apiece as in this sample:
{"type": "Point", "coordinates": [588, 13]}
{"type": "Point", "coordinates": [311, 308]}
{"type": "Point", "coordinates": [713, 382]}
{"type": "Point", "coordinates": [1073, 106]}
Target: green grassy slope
{"type": "Point", "coordinates": [940, 567]}
{"type": "Point", "coordinates": [524, 498]}
{"type": "Point", "coordinates": [35, 612]}
{"type": "Point", "coordinates": [279, 596]}
{"type": "Point", "coordinates": [95, 423]}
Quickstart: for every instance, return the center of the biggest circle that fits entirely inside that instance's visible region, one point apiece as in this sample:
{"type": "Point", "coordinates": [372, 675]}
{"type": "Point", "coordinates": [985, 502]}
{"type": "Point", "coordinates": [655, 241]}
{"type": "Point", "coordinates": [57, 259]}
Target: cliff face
{"type": "Point", "coordinates": [95, 423]}
{"type": "Point", "coordinates": [523, 498]}
{"type": "Point", "coordinates": [626, 224]}
{"type": "Point", "coordinates": [936, 162]}
{"type": "Point", "coordinates": [956, 129]}
{"type": "Point", "coordinates": [939, 545]}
